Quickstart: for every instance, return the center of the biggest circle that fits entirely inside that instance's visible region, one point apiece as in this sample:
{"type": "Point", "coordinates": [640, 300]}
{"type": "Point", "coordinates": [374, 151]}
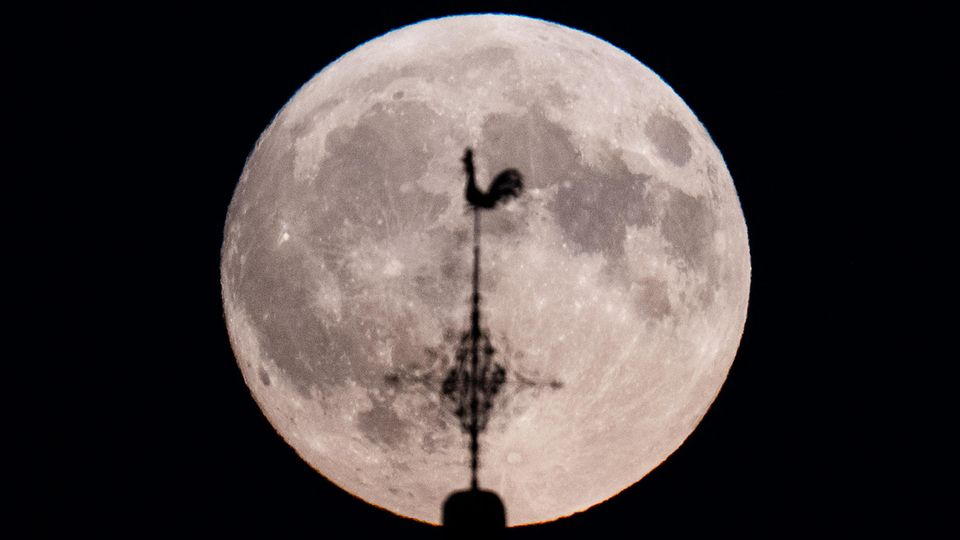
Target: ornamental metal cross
{"type": "Point", "coordinates": [473, 382]}
{"type": "Point", "coordinates": [475, 378]}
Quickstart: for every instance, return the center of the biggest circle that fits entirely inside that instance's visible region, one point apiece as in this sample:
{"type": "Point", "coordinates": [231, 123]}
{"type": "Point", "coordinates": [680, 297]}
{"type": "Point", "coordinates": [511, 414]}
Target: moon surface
{"type": "Point", "coordinates": [622, 271]}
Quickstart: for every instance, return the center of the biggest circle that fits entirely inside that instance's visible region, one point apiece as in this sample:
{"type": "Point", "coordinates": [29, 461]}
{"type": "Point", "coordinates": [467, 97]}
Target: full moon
{"type": "Point", "coordinates": [622, 270]}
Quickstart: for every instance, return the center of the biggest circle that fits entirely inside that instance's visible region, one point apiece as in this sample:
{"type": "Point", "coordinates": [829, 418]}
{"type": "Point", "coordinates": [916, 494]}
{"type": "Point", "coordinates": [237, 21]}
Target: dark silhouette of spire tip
{"type": "Point", "coordinates": [474, 513]}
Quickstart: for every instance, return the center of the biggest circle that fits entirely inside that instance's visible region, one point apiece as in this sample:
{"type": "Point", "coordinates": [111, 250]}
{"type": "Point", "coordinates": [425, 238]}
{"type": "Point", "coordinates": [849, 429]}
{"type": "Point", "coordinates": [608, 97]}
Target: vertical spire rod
{"type": "Point", "coordinates": [474, 355]}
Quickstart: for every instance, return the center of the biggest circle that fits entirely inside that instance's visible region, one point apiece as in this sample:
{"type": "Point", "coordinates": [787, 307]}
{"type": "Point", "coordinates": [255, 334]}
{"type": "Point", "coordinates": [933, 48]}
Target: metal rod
{"type": "Point", "coordinates": [474, 355]}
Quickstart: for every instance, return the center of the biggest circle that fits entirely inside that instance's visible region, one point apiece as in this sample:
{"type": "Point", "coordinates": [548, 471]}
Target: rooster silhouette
{"type": "Point", "coordinates": [508, 184]}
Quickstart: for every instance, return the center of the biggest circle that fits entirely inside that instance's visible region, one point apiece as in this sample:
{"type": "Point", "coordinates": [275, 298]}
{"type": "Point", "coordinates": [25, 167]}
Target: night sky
{"type": "Point", "coordinates": [801, 440]}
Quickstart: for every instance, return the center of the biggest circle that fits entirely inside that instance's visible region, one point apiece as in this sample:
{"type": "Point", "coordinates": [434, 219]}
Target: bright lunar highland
{"type": "Point", "coordinates": [622, 270]}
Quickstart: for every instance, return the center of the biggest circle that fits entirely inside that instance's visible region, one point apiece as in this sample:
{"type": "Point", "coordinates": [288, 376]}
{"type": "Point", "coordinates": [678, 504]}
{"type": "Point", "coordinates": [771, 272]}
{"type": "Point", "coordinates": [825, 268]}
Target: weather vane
{"type": "Point", "coordinates": [475, 378]}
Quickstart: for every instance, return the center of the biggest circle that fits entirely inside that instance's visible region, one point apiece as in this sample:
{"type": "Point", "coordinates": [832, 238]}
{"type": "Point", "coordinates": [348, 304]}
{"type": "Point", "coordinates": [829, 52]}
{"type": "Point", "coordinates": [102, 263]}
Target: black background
{"type": "Point", "coordinates": [156, 433]}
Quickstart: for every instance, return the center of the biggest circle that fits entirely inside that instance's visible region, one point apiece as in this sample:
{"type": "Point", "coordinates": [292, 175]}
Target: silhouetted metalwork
{"type": "Point", "coordinates": [474, 380]}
